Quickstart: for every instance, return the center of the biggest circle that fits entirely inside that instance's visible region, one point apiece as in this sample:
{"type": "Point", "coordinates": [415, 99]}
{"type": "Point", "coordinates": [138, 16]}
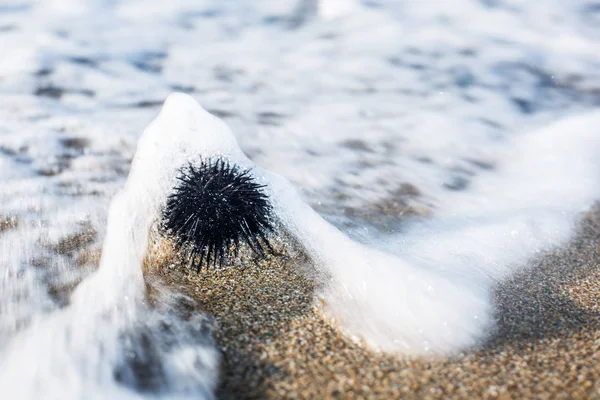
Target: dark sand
{"type": "Point", "coordinates": [276, 344]}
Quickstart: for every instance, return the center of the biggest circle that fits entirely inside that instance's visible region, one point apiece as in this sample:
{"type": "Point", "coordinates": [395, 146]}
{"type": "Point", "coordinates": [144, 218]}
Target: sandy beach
{"type": "Point", "coordinates": [275, 343]}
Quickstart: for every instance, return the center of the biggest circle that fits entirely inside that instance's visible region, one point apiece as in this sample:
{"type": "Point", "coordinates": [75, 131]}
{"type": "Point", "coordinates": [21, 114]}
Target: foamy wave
{"type": "Point", "coordinates": [427, 290]}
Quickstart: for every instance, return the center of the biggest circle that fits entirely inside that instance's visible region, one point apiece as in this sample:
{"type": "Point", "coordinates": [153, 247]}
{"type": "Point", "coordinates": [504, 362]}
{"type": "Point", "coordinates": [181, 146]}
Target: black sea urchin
{"type": "Point", "coordinates": [215, 205]}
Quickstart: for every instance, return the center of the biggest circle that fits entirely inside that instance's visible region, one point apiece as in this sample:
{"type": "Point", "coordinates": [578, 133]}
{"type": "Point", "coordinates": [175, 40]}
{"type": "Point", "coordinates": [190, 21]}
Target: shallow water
{"type": "Point", "coordinates": [445, 135]}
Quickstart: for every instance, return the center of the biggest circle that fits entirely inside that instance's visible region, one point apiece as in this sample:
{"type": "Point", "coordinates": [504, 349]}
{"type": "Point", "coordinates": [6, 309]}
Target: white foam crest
{"type": "Point", "coordinates": [432, 311]}
{"type": "Point", "coordinates": [162, 149]}
{"type": "Point", "coordinates": [426, 291]}
{"type": "Point", "coordinates": [390, 302]}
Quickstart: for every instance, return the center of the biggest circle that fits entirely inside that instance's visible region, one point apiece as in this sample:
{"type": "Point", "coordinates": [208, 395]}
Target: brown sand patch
{"type": "Point", "coordinates": [8, 222]}
{"type": "Point", "coordinates": [82, 247]}
{"type": "Point", "coordinates": [585, 292]}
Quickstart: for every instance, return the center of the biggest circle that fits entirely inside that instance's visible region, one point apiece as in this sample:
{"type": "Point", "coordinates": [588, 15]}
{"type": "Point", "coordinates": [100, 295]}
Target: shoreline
{"type": "Point", "coordinates": [276, 344]}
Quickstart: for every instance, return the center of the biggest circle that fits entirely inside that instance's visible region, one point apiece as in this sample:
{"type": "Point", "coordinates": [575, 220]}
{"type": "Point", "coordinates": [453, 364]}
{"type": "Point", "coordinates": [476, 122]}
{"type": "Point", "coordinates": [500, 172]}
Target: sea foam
{"type": "Point", "coordinates": [426, 290]}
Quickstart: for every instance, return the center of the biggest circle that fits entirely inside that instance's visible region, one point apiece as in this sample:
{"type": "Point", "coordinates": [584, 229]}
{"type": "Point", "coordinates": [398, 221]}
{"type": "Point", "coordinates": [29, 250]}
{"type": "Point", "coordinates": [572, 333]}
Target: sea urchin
{"type": "Point", "coordinates": [213, 206]}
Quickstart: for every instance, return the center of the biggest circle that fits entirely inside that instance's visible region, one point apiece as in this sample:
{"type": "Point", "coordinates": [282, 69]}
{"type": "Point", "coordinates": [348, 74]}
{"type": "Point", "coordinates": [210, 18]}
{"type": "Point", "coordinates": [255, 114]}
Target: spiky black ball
{"type": "Point", "coordinates": [213, 206]}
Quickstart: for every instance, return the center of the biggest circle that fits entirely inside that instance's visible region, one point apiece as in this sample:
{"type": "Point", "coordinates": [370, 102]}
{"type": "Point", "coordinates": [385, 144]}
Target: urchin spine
{"type": "Point", "coordinates": [215, 205]}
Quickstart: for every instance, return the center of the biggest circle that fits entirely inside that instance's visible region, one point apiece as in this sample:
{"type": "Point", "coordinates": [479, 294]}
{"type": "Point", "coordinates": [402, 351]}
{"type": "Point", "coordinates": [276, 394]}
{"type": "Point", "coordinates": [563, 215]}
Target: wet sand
{"type": "Point", "coordinates": [275, 343]}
